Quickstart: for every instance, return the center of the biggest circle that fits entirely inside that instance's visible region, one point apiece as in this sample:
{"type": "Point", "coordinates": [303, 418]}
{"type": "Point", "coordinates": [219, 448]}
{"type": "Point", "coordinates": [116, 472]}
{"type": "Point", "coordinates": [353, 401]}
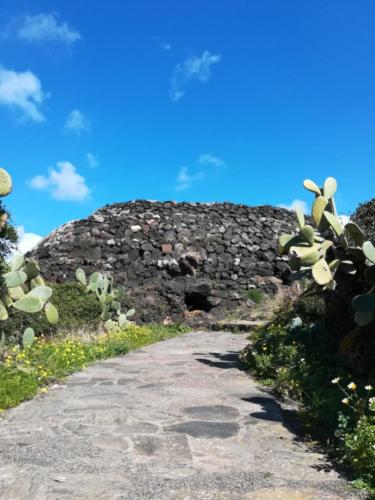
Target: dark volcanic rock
{"type": "Point", "coordinates": [364, 216]}
{"type": "Point", "coordinates": [174, 258]}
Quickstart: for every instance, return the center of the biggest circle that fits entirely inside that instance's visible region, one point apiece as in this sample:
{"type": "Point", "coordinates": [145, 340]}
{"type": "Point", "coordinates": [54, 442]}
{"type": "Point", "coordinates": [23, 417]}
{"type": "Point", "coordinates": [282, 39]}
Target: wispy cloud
{"type": "Point", "coordinates": [22, 91]}
{"type": "Point", "coordinates": [166, 46]}
{"type": "Point", "coordinates": [209, 159]}
{"type": "Point", "coordinates": [92, 160]}
{"type": "Point", "coordinates": [185, 180]}
{"type": "Point", "coordinates": [44, 28]}
{"type": "Point", "coordinates": [77, 123]}
{"type": "Point", "coordinates": [162, 43]}
{"type": "Point", "coordinates": [293, 205]}
{"type": "Point", "coordinates": [194, 68]}
{"type": "Point", "coordinates": [63, 183]}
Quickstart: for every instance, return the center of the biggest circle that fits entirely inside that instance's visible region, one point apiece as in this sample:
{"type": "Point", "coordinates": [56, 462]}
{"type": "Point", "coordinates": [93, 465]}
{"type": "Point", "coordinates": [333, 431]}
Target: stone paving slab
{"type": "Point", "coordinates": [176, 420]}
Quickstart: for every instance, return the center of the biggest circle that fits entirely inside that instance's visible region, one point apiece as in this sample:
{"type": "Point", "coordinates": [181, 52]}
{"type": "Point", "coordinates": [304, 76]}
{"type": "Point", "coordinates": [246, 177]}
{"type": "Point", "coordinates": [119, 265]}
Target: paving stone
{"type": "Point", "coordinates": [204, 429]}
{"type": "Point", "coordinates": [212, 412]}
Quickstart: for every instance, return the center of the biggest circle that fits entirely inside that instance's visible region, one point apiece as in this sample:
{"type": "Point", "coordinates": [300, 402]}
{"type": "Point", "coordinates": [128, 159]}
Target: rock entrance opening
{"type": "Point", "coordinates": [196, 301]}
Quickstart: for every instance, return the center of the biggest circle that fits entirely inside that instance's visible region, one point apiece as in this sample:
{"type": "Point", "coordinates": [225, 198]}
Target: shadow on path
{"type": "Point", "coordinates": [228, 360]}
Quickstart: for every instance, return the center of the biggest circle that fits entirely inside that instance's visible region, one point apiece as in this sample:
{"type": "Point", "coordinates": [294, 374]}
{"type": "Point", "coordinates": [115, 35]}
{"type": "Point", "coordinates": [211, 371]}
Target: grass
{"type": "Point", "coordinates": [25, 372]}
{"type": "Point", "coordinates": [255, 295]}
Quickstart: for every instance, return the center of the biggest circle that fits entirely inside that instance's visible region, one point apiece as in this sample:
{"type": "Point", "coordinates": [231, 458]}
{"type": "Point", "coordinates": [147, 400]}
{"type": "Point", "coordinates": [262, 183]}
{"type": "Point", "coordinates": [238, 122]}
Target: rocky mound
{"type": "Point", "coordinates": [174, 257]}
{"type": "Point", "coordinates": [365, 218]}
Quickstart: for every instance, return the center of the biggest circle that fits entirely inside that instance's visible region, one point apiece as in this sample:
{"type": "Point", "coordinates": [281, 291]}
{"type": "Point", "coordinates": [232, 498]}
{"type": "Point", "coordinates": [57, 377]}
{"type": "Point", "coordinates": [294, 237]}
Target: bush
{"type": "Point", "coordinates": [76, 310]}
{"type": "Point", "coordinates": [310, 308]}
{"type": "Point", "coordinates": [296, 358]}
{"type": "Point", "coordinates": [16, 386]}
{"type": "Point", "coordinates": [358, 448]}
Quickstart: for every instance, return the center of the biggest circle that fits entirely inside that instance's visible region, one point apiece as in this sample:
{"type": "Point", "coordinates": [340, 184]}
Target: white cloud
{"type": "Point", "coordinates": [63, 182]}
{"type": "Point", "coordinates": [26, 241]}
{"type": "Point", "coordinates": [295, 203]}
{"type": "Point", "coordinates": [92, 160]}
{"type": "Point", "coordinates": [166, 46]}
{"type": "Point", "coordinates": [209, 159]}
{"type": "Point", "coordinates": [45, 28]}
{"type": "Point", "coordinates": [194, 68]}
{"type": "Point", "coordinates": [77, 123]}
{"type": "Point", "coordinates": [185, 180]}
{"type": "Point", "coordinates": [22, 91]}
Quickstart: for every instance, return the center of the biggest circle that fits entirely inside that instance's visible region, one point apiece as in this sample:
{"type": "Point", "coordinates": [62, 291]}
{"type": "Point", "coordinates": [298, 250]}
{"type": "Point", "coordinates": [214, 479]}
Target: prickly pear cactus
{"type": "Point", "coordinates": [317, 253]}
{"type": "Point", "coordinates": [26, 290]}
{"type": "Point", "coordinates": [109, 298]}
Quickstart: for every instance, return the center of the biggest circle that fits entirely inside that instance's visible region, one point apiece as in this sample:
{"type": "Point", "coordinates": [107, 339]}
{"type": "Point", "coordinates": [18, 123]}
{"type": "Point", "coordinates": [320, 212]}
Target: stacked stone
{"type": "Point", "coordinates": [364, 216]}
{"type": "Point", "coordinates": [173, 257]}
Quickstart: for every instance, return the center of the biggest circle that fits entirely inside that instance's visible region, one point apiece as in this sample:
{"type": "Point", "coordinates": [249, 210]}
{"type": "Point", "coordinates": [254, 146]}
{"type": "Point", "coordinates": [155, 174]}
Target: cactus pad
{"type": "Point", "coordinates": [311, 186]}
{"type": "Point", "coordinates": [369, 251]}
{"type": "Point", "coordinates": [322, 273]}
{"type": "Point", "coordinates": [5, 183]}
{"type": "Point", "coordinates": [330, 187]}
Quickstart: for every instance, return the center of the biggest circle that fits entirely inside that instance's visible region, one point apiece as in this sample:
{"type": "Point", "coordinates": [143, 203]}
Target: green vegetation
{"type": "Point", "coordinates": [295, 357]}
{"type": "Point", "coordinates": [26, 293]}
{"type": "Point", "coordinates": [77, 311]}
{"type": "Point", "coordinates": [255, 295]}
{"type": "Point", "coordinates": [331, 252]}
{"type": "Point", "coordinates": [109, 298]}
{"type": "Point", "coordinates": [27, 371]}
{"type": "Point", "coordinates": [27, 365]}
{"type": "Point", "coordinates": [319, 352]}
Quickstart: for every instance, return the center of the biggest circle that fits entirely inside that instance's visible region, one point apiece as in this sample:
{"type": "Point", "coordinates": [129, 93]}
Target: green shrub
{"type": "Point", "coordinates": [358, 449]}
{"type": "Point", "coordinates": [255, 295]}
{"type": "Point", "coordinates": [15, 387]}
{"type": "Point", "coordinates": [77, 309]}
{"type": "Point", "coordinates": [310, 308]}
{"type": "Point", "coordinates": [296, 358]}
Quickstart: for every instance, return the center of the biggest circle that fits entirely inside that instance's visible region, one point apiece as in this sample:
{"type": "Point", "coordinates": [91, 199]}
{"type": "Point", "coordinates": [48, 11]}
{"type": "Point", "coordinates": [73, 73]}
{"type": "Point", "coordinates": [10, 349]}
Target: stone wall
{"type": "Point", "coordinates": [174, 257]}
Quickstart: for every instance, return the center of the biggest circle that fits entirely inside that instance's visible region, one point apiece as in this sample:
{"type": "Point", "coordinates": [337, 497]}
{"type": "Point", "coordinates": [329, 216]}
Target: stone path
{"type": "Point", "coordinates": [176, 420]}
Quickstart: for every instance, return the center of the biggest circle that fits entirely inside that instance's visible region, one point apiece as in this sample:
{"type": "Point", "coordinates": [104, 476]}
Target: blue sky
{"type": "Point", "coordinates": [201, 100]}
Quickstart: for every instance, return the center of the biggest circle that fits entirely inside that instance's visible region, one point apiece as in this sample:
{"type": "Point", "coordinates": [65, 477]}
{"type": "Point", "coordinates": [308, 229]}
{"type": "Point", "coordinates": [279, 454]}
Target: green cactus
{"type": "Point", "coordinates": [32, 270]}
{"type": "Point", "coordinates": [29, 304]}
{"type": "Point", "coordinates": [51, 313]}
{"type": "Point", "coordinates": [17, 262]}
{"type": "Point", "coordinates": [26, 290]}
{"type": "Point", "coordinates": [41, 292]}
{"type": "Point", "coordinates": [319, 252]}
{"type": "Point", "coordinates": [5, 183]}
{"type": "Point", "coordinates": [369, 251]}
{"type": "Point", "coordinates": [109, 298]}
{"type": "Point", "coordinates": [81, 276]}
{"type": "Point", "coordinates": [330, 187]}
{"type": "Point", "coordinates": [3, 312]}
{"type": "Point", "coordinates": [14, 279]}
{"type": "Point", "coordinates": [318, 209]}
{"type": "Point", "coordinates": [308, 234]}
{"type": "Point", "coordinates": [311, 186]}
{"type": "Point", "coordinates": [28, 337]}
